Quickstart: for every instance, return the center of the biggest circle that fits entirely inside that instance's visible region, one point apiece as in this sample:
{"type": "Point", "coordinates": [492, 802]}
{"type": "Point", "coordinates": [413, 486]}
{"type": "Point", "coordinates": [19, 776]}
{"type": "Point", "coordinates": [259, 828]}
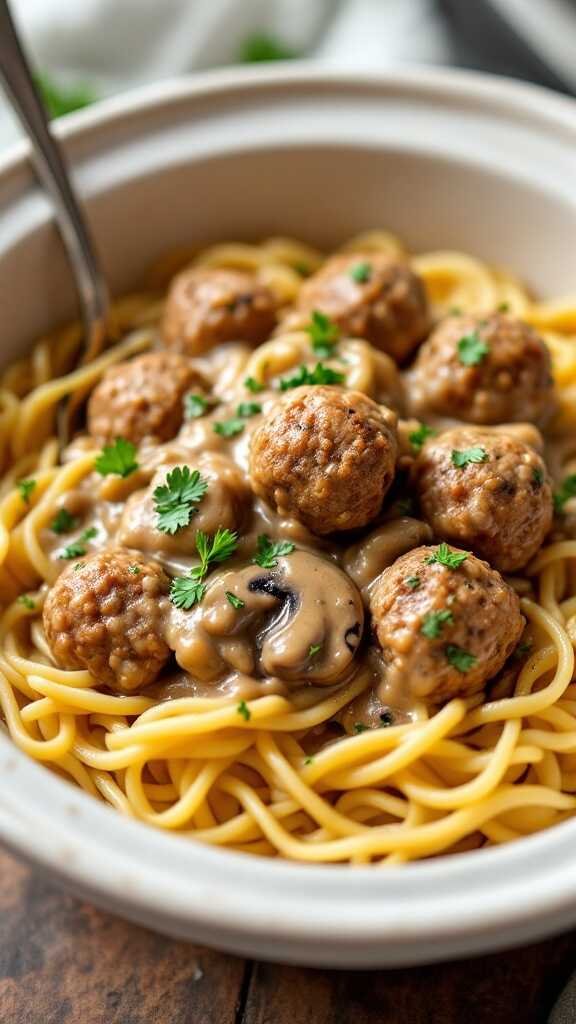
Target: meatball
{"type": "Point", "coordinates": [487, 491]}
{"type": "Point", "coordinates": [484, 370]}
{"type": "Point", "coordinates": [325, 456]}
{"type": "Point", "coordinates": [142, 398]}
{"type": "Point", "coordinates": [444, 630]}
{"type": "Point", "coordinates": [105, 614]}
{"type": "Point", "coordinates": [370, 296]}
{"type": "Point", "coordinates": [205, 307]}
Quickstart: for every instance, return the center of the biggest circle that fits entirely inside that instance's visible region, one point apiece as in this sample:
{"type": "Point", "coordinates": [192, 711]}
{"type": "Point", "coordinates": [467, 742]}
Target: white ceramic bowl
{"type": "Point", "coordinates": [445, 159]}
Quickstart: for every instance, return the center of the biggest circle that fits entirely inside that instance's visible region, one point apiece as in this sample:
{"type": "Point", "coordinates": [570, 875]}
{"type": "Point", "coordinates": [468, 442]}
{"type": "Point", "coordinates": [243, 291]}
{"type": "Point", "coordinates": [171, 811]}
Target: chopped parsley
{"type": "Point", "coordinates": [78, 547]}
{"type": "Point", "coordinates": [434, 622]}
{"type": "Point", "coordinates": [504, 307]}
{"type": "Point", "coordinates": [468, 456]}
{"type": "Point", "coordinates": [244, 710]}
{"type": "Point", "coordinates": [472, 350]}
{"type": "Point", "coordinates": [27, 602]}
{"type": "Point", "coordinates": [413, 582]}
{"type": "Point", "coordinates": [418, 437]}
{"type": "Point", "coordinates": [119, 458]}
{"type": "Point", "coordinates": [236, 602]}
{"type": "Point", "coordinates": [386, 719]}
{"type": "Point", "coordinates": [229, 428]}
{"type": "Point", "coordinates": [567, 491]}
{"type": "Point", "coordinates": [59, 99]}
{"type": "Point", "coordinates": [323, 333]}
{"type": "Point", "coordinates": [522, 649]}
{"type": "Point", "coordinates": [26, 487]}
{"type": "Point", "coordinates": [314, 649]}
{"type": "Point", "coordinates": [176, 500]}
{"type": "Point", "coordinates": [459, 658]}
{"type": "Point", "coordinates": [194, 406]}
{"type": "Point", "coordinates": [361, 272]}
{"type": "Point", "coordinates": [444, 556]}
{"type": "Point", "coordinates": [360, 727]}
{"type": "Point", "coordinates": [134, 570]}
{"type": "Point", "coordinates": [262, 48]}
{"type": "Point", "coordinates": [537, 477]}
{"type": "Point", "coordinates": [308, 760]}
{"type": "Point", "coordinates": [186, 591]}
{"type": "Point", "coordinates": [319, 375]}
{"type": "Point", "coordinates": [247, 409]}
{"type": "Point", "coordinates": [63, 521]}
{"type": "Point", "coordinates": [269, 551]}
{"type": "Point", "coordinates": [253, 385]}
{"type": "Point", "coordinates": [301, 268]}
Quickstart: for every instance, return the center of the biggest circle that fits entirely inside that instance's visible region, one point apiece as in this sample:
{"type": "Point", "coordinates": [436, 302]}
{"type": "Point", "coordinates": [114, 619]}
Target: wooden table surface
{"type": "Point", "coordinates": [64, 962]}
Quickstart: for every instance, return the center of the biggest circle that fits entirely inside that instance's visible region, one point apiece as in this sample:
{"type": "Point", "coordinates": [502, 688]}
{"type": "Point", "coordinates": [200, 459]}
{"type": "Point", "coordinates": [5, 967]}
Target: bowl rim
{"type": "Point", "coordinates": [110, 857]}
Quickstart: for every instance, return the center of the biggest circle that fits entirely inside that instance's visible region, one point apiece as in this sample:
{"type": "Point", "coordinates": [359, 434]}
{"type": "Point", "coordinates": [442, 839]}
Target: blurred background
{"type": "Point", "coordinates": [89, 49]}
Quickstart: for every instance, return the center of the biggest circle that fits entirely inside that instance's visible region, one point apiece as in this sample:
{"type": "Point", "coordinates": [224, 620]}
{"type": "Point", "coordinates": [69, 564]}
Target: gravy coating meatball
{"type": "Point", "coordinates": [444, 631]}
{"type": "Point", "coordinates": [105, 614]}
{"type": "Point", "coordinates": [325, 456]}
{"type": "Point", "coordinates": [486, 491]}
{"type": "Point", "coordinates": [205, 307]}
{"type": "Point", "coordinates": [370, 296]}
{"type": "Point", "coordinates": [142, 398]}
{"type": "Point", "coordinates": [484, 370]}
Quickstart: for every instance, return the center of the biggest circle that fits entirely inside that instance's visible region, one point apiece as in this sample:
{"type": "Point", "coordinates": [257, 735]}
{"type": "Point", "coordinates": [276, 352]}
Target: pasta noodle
{"type": "Point", "coordinates": [472, 773]}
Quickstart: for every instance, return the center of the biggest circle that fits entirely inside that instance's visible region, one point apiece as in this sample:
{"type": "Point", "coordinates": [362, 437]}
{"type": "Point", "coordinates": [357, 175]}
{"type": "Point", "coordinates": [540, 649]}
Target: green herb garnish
{"type": "Point", "coordinates": [504, 307]}
{"type": "Point", "coordinates": [134, 570]}
{"type": "Point", "coordinates": [119, 458]}
{"type": "Point", "coordinates": [253, 385]}
{"type": "Point", "coordinates": [413, 582]}
{"type": "Point", "coordinates": [361, 272]}
{"type": "Point", "coordinates": [269, 551]}
{"type": "Point", "coordinates": [61, 99]}
{"type": "Point", "coordinates": [262, 48]}
{"type": "Point", "coordinates": [468, 456]}
{"type": "Point", "coordinates": [360, 727]}
{"type": "Point", "coordinates": [472, 350]}
{"type": "Point", "coordinates": [194, 406]}
{"type": "Point", "coordinates": [176, 500]}
{"type": "Point", "coordinates": [566, 491]}
{"type": "Point", "coordinates": [247, 409]}
{"type": "Point", "coordinates": [523, 648]}
{"type": "Point", "coordinates": [323, 333]}
{"type": "Point", "coordinates": [63, 522]}
{"type": "Point", "coordinates": [236, 602]}
{"type": "Point", "coordinates": [434, 622]}
{"type": "Point", "coordinates": [27, 602]}
{"type": "Point", "coordinates": [186, 591]}
{"type": "Point", "coordinates": [308, 760]}
{"type": "Point", "coordinates": [319, 375]}
{"type": "Point", "coordinates": [314, 649]}
{"type": "Point", "coordinates": [459, 658]}
{"type": "Point", "coordinates": [418, 437]}
{"type": "Point", "coordinates": [538, 477]}
{"type": "Point", "coordinates": [244, 710]}
{"type": "Point", "coordinates": [444, 556]}
{"type": "Point", "coordinates": [26, 487]}
{"type": "Point", "coordinates": [78, 547]}
{"type": "Point", "coordinates": [229, 428]}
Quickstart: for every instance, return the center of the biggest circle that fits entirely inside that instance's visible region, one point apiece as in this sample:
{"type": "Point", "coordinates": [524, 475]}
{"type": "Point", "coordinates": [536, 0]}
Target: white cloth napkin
{"type": "Point", "coordinates": [113, 45]}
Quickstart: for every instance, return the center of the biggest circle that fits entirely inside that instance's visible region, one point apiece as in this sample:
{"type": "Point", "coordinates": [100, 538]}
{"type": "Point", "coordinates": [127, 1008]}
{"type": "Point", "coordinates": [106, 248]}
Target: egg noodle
{"type": "Point", "coordinates": [470, 774]}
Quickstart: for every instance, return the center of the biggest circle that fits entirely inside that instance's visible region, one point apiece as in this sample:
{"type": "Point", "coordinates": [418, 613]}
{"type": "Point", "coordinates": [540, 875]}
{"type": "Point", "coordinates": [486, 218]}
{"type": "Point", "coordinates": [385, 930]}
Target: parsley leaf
{"type": "Point", "coordinates": [567, 491]}
{"type": "Point", "coordinates": [186, 591]}
{"type": "Point", "coordinates": [314, 649]}
{"type": "Point", "coordinates": [360, 727]}
{"type": "Point", "coordinates": [469, 455]}
{"type": "Point", "coordinates": [418, 437]}
{"type": "Point", "coordinates": [361, 272]}
{"type": "Point", "coordinates": [537, 476]}
{"type": "Point", "coordinates": [309, 760]}
{"type": "Point", "coordinates": [78, 547]}
{"type": "Point", "coordinates": [253, 385]}
{"type": "Point", "coordinates": [59, 99]}
{"type": "Point", "coordinates": [244, 710]}
{"type": "Point", "coordinates": [194, 406]}
{"type": "Point", "coordinates": [434, 622]}
{"type": "Point", "coordinates": [119, 458]}
{"type": "Point", "coordinates": [459, 658]}
{"type": "Point", "coordinates": [229, 428]}
{"type": "Point", "coordinates": [26, 487]}
{"type": "Point", "coordinates": [269, 551]}
{"type": "Point", "coordinates": [134, 570]}
{"type": "Point", "coordinates": [63, 522]}
{"type": "Point", "coordinates": [504, 307]}
{"type": "Point", "coordinates": [247, 409]}
{"type": "Point", "coordinates": [413, 582]}
{"type": "Point", "coordinates": [175, 501]}
{"type": "Point", "coordinates": [472, 350]}
{"type": "Point", "coordinates": [319, 375]}
{"type": "Point", "coordinates": [323, 333]}
{"type": "Point", "coordinates": [444, 556]}
{"type": "Point", "coordinates": [27, 602]}
{"type": "Point", "coordinates": [261, 47]}
{"type": "Point", "coordinates": [236, 602]}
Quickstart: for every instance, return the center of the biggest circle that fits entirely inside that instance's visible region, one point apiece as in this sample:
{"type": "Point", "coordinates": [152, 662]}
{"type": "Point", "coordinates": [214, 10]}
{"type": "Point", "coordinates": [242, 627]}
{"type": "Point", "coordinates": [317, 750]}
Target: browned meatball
{"type": "Point", "coordinates": [325, 456]}
{"type": "Point", "coordinates": [370, 296]}
{"type": "Point", "coordinates": [444, 631]}
{"type": "Point", "coordinates": [486, 491]}
{"type": "Point", "coordinates": [142, 398]}
{"type": "Point", "coordinates": [105, 614]}
{"type": "Point", "coordinates": [484, 370]}
{"type": "Point", "coordinates": [205, 307]}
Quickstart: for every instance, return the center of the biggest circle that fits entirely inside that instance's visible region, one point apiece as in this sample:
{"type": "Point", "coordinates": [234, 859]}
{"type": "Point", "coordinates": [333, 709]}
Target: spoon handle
{"type": "Point", "coordinates": [17, 80]}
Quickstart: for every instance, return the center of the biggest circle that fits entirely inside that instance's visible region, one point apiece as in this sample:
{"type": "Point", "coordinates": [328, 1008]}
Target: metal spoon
{"type": "Point", "coordinates": [16, 77]}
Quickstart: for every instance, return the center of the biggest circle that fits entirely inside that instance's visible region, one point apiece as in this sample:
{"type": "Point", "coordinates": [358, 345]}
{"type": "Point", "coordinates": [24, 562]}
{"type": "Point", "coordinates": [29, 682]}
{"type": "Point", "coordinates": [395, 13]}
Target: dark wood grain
{"type": "Point", "coordinates": [64, 962]}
